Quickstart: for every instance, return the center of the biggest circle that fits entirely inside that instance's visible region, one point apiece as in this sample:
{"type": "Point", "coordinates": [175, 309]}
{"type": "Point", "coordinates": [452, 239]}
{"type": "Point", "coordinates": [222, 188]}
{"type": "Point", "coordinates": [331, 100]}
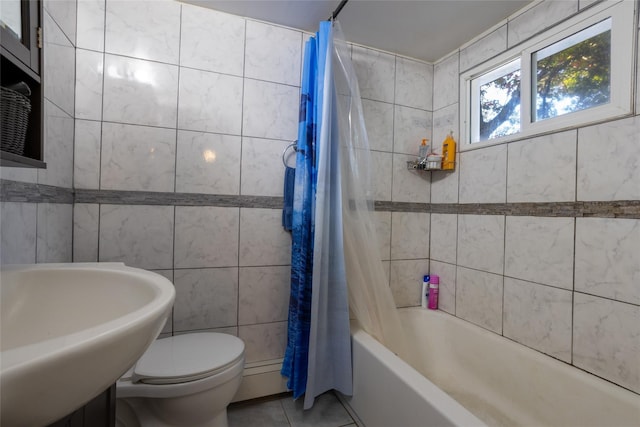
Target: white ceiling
{"type": "Point", "coordinates": [422, 29]}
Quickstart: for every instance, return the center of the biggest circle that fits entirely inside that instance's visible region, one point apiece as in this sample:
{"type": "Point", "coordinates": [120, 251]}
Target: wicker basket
{"type": "Point", "coordinates": [14, 112]}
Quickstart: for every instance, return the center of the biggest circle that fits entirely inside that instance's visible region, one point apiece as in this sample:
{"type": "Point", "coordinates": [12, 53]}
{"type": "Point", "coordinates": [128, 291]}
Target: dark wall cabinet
{"type": "Point", "coordinates": [21, 52]}
{"type": "Point", "coordinates": [100, 412]}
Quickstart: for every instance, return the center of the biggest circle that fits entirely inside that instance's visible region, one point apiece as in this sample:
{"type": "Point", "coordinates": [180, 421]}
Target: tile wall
{"type": "Point", "coordinates": [568, 287]}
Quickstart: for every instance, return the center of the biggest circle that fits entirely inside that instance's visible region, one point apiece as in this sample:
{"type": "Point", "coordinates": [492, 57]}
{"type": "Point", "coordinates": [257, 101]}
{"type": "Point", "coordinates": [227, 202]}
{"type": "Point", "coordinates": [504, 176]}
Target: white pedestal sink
{"type": "Point", "coordinates": [69, 331]}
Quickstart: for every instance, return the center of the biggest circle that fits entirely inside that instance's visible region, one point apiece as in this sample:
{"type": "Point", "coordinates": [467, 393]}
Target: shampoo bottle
{"type": "Point", "coordinates": [425, 292]}
{"type": "Point", "coordinates": [434, 284]}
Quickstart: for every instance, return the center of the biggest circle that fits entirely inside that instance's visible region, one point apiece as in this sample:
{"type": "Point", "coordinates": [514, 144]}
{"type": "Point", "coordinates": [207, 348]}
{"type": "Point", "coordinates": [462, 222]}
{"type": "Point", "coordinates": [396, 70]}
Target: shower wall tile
{"type": "Point", "coordinates": [18, 233]}
{"type": "Point", "coordinates": [86, 157]}
{"type": "Point", "coordinates": [137, 158]}
{"type": "Point", "coordinates": [585, 3]}
{"type": "Point", "coordinates": [263, 240]}
{"type": "Point", "coordinates": [447, 289]}
{"type": "Point", "coordinates": [481, 242]}
{"type": "Point", "coordinates": [607, 261]}
{"type": "Point", "coordinates": [210, 102]}
{"type": "Point", "coordinates": [479, 298]}
{"type": "Point", "coordinates": [140, 236]}
{"type": "Point", "coordinates": [90, 31]}
{"type": "Point", "coordinates": [542, 169]}
{"type": "Point", "coordinates": [207, 163]}
{"type": "Point", "coordinates": [144, 30]}
{"type": "Point", "coordinates": [270, 110]}
{"type": "Point", "coordinates": [483, 175]}
{"type": "Point", "coordinates": [376, 72]}
{"type": "Point", "coordinates": [445, 121]}
{"type": "Point", "coordinates": [131, 86]}
{"type": "Point", "coordinates": [262, 167]}
{"type": "Point", "coordinates": [408, 185]}
{"type": "Point", "coordinates": [444, 232]}
{"type": "Point", "coordinates": [414, 84]}
{"type": "Point", "coordinates": [445, 82]}
{"type": "Point", "coordinates": [89, 70]}
{"type": "Point", "coordinates": [406, 281]}
{"type": "Point", "coordinates": [382, 221]}
{"type": "Point", "coordinates": [265, 341]}
{"type": "Point", "coordinates": [19, 174]}
{"type": "Point", "coordinates": [638, 75]}
{"type": "Point", "coordinates": [167, 330]}
{"type": "Point", "coordinates": [63, 13]}
{"type": "Point", "coordinates": [606, 339]}
{"type": "Point", "coordinates": [206, 236]}
{"type": "Point", "coordinates": [212, 40]}
{"type": "Point", "coordinates": [444, 186]}
{"type": "Point", "coordinates": [205, 298]}
{"type": "Point", "coordinates": [54, 232]}
{"type": "Point", "coordinates": [487, 47]}
{"type": "Point", "coordinates": [607, 161]}
{"type": "Point", "coordinates": [273, 53]}
{"type": "Point", "coordinates": [539, 17]}
{"type": "Point", "coordinates": [59, 66]}
{"type": "Point", "coordinates": [86, 223]}
{"type": "Point", "coordinates": [264, 294]}
{"type": "Point", "coordinates": [538, 317]}
{"type": "Point", "coordinates": [378, 120]}
{"type": "Point", "coordinates": [411, 126]}
{"type": "Point", "coordinates": [540, 250]}
{"type": "Point", "coordinates": [58, 149]}
{"type": "Point", "coordinates": [409, 235]}
{"type": "Point", "coordinates": [384, 166]}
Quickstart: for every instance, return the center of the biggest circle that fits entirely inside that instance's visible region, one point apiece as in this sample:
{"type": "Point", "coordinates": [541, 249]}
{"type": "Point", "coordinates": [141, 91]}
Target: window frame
{"type": "Point", "coordinates": [623, 30]}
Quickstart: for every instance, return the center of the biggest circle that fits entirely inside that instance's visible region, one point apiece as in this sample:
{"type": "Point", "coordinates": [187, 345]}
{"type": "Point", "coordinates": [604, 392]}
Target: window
{"type": "Point", "coordinates": [580, 73]}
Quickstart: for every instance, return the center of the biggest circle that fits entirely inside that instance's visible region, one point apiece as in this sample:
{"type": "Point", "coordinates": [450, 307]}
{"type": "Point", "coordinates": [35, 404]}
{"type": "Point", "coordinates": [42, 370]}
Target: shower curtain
{"type": "Point", "coordinates": [335, 263]}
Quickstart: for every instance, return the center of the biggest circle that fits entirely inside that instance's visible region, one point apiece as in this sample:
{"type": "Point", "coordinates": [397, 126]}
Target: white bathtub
{"type": "Point", "coordinates": [471, 376]}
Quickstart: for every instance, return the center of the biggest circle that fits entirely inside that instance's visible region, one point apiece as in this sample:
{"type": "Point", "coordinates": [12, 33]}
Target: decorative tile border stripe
{"type": "Point", "coordinates": [613, 209]}
{"type": "Point", "coordinates": [400, 206]}
{"type": "Point", "coordinates": [26, 192]}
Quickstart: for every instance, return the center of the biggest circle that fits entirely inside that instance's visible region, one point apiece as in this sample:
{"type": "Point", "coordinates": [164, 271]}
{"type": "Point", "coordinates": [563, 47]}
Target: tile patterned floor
{"type": "Point", "coordinates": [283, 411]}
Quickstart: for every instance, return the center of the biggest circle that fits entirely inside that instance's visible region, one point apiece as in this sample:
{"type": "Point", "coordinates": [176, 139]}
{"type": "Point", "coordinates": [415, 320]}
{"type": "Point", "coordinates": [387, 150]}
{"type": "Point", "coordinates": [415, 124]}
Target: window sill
{"type": "Point", "coordinates": [15, 160]}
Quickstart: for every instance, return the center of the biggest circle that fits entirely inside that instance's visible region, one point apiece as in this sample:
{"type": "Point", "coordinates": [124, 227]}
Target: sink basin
{"type": "Point", "coordinates": [69, 331]}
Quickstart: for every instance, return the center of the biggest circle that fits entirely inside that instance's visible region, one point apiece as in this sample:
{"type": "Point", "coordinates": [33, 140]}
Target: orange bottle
{"type": "Point", "coordinates": [449, 153]}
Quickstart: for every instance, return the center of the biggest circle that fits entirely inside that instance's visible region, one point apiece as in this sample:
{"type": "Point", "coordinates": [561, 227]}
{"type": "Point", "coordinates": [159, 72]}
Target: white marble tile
{"type": "Point", "coordinates": [264, 294]}
{"type": "Point", "coordinates": [132, 86]}
{"type": "Point", "coordinates": [538, 317]}
{"type": "Point", "coordinates": [606, 339]}
{"type": "Point", "coordinates": [409, 235]}
{"type": "Point", "coordinates": [414, 84]}
{"type": "Point", "coordinates": [270, 110]}
{"type": "Point", "coordinates": [273, 53]}
{"type": "Point", "coordinates": [408, 185]}
{"type": "Point", "coordinates": [269, 412]}
{"type": "Point", "coordinates": [585, 3]}
{"type": "Point", "coordinates": [144, 30]}
{"type": "Point", "coordinates": [58, 147]}
{"type": "Point", "coordinates": [63, 13]}
{"type": "Point", "coordinates": [608, 163]}
{"type": "Point", "coordinates": [378, 120]}
{"type": "Point", "coordinates": [447, 287]}
{"type": "Point", "coordinates": [638, 75]}
{"type": "Point", "coordinates": [86, 156]}
{"type": "Point", "coordinates": [479, 298]}
{"type": "Point", "coordinates": [540, 250]}
{"type": "Point", "coordinates": [382, 222]}
{"type": "Point", "coordinates": [444, 233]}
{"type": "Point", "coordinates": [262, 168]}
{"type": "Point", "coordinates": [207, 163]}
{"type": "Point", "coordinates": [86, 227]}
{"type": "Point", "coordinates": [206, 236]}
{"type": "Point", "coordinates": [327, 411]}
{"type": "Point", "coordinates": [167, 331]}
{"type": "Point", "coordinates": [140, 236]}
{"type": "Point", "coordinates": [444, 186]}
{"type": "Point", "coordinates": [410, 127]}
{"type": "Point", "coordinates": [376, 72]}
{"type": "Point", "coordinates": [536, 19]}
{"type": "Point", "coordinates": [212, 40]}
{"type": "Point", "coordinates": [445, 121]}
{"type": "Point", "coordinates": [205, 298]}
{"type": "Point", "coordinates": [382, 164]}
{"type": "Point", "coordinates": [19, 174]}
{"type": "Point", "coordinates": [263, 240]}
{"type": "Point", "coordinates": [18, 232]}
{"type": "Point", "coordinates": [481, 242]}
{"type": "Point", "coordinates": [406, 281]}
{"type": "Point", "coordinates": [542, 169]}
{"type": "Point", "coordinates": [607, 258]}
{"type": "Point", "coordinates": [487, 47]}
{"type": "Point", "coordinates": [137, 158]}
{"type": "Point", "coordinates": [264, 341]}
{"type": "Point", "coordinates": [483, 175]}
{"type": "Point", "coordinates": [59, 66]}
{"type": "Point", "coordinates": [54, 234]}
{"type": "Point", "coordinates": [89, 73]}
{"type": "Point", "coordinates": [445, 82]}
{"type": "Point", "coordinates": [90, 31]}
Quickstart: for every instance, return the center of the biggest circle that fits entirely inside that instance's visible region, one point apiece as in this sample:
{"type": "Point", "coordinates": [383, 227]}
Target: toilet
{"type": "Point", "coordinates": [186, 380]}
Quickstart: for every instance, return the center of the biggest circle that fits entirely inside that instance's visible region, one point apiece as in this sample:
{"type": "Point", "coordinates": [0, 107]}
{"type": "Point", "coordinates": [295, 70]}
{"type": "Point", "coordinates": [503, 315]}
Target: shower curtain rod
{"type": "Point", "coordinates": [335, 13]}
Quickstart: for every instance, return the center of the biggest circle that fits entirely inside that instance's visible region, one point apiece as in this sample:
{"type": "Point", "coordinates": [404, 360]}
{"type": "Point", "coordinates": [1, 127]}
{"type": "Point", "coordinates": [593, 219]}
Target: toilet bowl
{"type": "Point", "coordinates": [187, 380]}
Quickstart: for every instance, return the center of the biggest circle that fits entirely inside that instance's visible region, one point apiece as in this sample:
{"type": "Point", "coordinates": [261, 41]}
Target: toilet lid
{"type": "Point", "coordinates": [187, 357]}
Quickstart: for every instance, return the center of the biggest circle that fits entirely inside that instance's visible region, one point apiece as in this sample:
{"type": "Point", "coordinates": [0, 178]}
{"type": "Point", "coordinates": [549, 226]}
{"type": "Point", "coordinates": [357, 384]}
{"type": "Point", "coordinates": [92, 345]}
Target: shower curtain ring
{"type": "Point", "coordinates": [293, 145]}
